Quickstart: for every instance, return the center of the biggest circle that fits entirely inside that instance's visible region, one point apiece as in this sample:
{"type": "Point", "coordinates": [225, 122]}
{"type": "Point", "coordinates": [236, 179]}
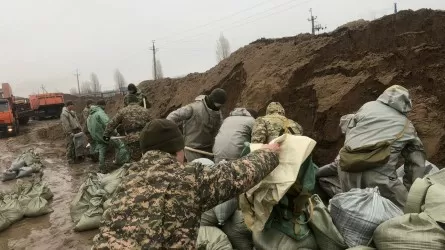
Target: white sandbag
{"type": "Point", "coordinates": [208, 218]}
{"type": "Point", "coordinates": [224, 210]}
{"type": "Point", "coordinates": [236, 230]}
{"type": "Point", "coordinates": [9, 175]}
{"type": "Point", "coordinates": [25, 171]}
{"type": "Point", "coordinates": [410, 231]}
{"type": "Point", "coordinates": [273, 239]}
{"type": "Point", "coordinates": [357, 213]}
{"type": "Point", "coordinates": [212, 238]}
{"type": "Point", "coordinates": [266, 194]}
{"type": "Point", "coordinates": [430, 168]}
{"type": "Point", "coordinates": [109, 182]}
{"type": "Point", "coordinates": [17, 164]}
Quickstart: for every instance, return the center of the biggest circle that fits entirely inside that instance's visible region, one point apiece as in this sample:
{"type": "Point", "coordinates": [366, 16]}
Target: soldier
{"type": "Point", "coordinates": [96, 123]}
{"type": "Point", "coordinates": [86, 110]}
{"type": "Point", "coordinates": [85, 114]}
{"type": "Point", "coordinates": [274, 124]}
{"type": "Point", "coordinates": [71, 126]}
{"type": "Point", "coordinates": [159, 203]}
{"type": "Point", "coordinates": [133, 90]}
{"type": "Point", "coordinates": [201, 121]}
{"type": "Point", "coordinates": [133, 119]}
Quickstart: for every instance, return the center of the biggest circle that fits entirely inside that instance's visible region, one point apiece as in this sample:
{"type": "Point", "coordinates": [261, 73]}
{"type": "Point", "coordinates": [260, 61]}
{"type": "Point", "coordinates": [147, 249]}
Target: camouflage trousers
{"type": "Point", "coordinates": [121, 153]}
{"type": "Point", "coordinates": [134, 149]}
{"type": "Point", "coordinates": [70, 154]}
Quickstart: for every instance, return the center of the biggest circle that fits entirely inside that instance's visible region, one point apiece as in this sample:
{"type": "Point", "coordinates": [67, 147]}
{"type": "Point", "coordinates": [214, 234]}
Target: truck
{"type": "Point", "coordinates": [13, 111]}
{"type": "Point", "coordinates": [47, 105]}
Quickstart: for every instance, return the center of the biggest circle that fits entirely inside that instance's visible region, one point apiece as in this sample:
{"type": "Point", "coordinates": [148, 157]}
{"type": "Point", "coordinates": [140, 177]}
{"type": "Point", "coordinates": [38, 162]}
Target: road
{"type": "Point", "coordinates": [54, 230]}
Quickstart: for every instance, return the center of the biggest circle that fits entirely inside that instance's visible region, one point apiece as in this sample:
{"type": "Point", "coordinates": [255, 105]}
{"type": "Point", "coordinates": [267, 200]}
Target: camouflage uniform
{"type": "Point", "coordinates": [274, 124]}
{"type": "Point", "coordinates": [133, 119]}
{"type": "Point", "coordinates": [159, 203]}
{"type": "Point", "coordinates": [71, 126]}
{"type": "Point", "coordinates": [141, 98]}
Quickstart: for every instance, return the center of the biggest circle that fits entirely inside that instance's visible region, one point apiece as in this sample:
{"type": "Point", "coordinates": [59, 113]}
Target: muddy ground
{"type": "Point", "coordinates": [54, 230]}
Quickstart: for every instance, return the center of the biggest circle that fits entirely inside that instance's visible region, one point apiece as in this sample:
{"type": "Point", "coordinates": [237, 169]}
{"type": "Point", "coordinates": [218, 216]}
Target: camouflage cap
{"type": "Point", "coordinates": [275, 108]}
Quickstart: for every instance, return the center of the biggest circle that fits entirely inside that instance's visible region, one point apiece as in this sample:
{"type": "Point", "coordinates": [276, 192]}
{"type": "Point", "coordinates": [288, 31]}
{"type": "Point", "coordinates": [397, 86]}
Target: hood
{"type": "Point", "coordinates": [240, 112]}
{"type": "Point", "coordinates": [275, 108]}
{"type": "Point", "coordinates": [344, 122]}
{"type": "Point", "coordinates": [397, 97]}
{"type": "Point", "coordinates": [95, 109]}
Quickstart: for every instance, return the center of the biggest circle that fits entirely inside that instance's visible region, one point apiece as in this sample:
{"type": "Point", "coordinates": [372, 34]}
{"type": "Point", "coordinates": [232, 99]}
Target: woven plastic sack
{"type": "Point", "coordinates": [11, 210]}
{"type": "Point", "coordinates": [273, 239]}
{"type": "Point", "coordinates": [17, 164]}
{"type": "Point", "coordinates": [33, 207]}
{"type": "Point", "coordinates": [410, 231]}
{"type": "Point", "coordinates": [357, 213]}
{"type": "Point", "coordinates": [80, 203]}
{"type": "Point", "coordinates": [25, 171]}
{"type": "Point", "coordinates": [9, 175]}
{"type": "Point", "coordinates": [208, 218]}
{"type": "Point", "coordinates": [80, 143]}
{"type": "Point", "coordinates": [109, 182]}
{"type": "Point", "coordinates": [237, 231]}
{"type": "Point", "coordinates": [327, 235]}
{"type": "Point", "coordinates": [224, 210]}
{"type": "Point", "coordinates": [91, 218]}
{"type": "Point", "coordinates": [212, 238]}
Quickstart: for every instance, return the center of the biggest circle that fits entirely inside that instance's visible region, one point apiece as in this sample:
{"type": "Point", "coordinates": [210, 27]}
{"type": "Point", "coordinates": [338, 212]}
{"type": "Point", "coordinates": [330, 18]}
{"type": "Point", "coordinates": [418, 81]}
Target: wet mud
{"type": "Point", "coordinates": [54, 230]}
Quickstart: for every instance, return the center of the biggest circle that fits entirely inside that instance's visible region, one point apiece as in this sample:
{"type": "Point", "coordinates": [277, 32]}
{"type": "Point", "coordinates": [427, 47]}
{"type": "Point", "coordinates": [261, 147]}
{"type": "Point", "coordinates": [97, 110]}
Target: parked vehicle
{"type": "Point", "coordinates": [47, 105]}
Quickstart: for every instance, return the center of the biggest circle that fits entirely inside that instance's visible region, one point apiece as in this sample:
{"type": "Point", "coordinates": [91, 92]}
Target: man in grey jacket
{"type": "Point", "coordinates": [378, 121]}
{"type": "Point", "coordinates": [200, 121]}
{"type": "Point", "coordinates": [235, 130]}
{"type": "Point", "coordinates": [71, 126]}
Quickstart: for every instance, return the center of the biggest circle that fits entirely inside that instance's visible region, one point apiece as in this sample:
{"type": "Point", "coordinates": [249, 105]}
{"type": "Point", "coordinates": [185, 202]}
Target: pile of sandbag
{"type": "Point", "coordinates": [93, 198]}
{"type": "Point", "coordinates": [25, 165]}
{"type": "Point", "coordinates": [423, 224]}
{"type": "Point", "coordinates": [30, 199]}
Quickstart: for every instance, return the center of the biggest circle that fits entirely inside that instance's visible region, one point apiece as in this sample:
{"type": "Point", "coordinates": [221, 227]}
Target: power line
{"type": "Point", "coordinates": [154, 49]}
{"type": "Point", "coordinates": [78, 84]}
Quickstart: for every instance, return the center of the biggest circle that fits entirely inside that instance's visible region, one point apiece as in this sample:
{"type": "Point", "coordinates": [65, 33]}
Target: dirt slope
{"type": "Point", "coordinates": [320, 78]}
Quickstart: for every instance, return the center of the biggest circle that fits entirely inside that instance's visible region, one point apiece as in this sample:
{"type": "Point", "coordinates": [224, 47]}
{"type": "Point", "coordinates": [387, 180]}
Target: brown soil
{"type": "Point", "coordinates": [320, 78]}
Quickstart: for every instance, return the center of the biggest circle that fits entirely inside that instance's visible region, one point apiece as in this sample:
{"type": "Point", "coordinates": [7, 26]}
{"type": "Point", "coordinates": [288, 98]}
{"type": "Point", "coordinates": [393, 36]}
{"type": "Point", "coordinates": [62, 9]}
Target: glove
{"type": "Point", "coordinates": [106, 138]}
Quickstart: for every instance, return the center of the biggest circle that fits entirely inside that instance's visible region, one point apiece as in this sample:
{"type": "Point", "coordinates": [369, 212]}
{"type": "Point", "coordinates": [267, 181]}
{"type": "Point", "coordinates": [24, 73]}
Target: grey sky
{"type": "Point", "coordinates": [44, 41]}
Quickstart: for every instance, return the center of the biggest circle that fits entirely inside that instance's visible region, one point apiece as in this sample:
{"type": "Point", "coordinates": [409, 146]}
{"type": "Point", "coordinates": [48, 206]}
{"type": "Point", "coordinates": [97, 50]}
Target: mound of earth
{"type": "Point", "coordinates": [320, 78]}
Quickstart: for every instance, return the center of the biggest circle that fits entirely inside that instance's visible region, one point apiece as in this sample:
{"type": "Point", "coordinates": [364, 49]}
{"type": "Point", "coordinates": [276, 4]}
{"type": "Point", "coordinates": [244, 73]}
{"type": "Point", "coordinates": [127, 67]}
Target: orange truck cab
{"type": "Point", "coordinates": [9, 124]}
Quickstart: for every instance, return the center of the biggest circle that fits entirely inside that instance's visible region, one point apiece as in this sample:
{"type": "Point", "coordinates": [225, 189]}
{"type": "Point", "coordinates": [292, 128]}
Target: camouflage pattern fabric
{"type": "Point", "coordinates": [272, 125]}
{"type": "Point", "coordinates": [70, 154]}
{"type": "Point", "coordinates": [141, 98]}
{"type": "Point", "coordinates": [159, 203]}
{"type": "Point", "coordinates": [132, 119]}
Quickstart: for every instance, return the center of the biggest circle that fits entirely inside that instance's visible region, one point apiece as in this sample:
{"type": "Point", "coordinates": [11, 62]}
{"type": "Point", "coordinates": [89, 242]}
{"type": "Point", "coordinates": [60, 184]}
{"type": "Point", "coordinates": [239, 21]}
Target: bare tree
{"type": "Point", "coordinates": [222, 48]}
{"type": "Point", "coordinates": [119, 79]}
{"type": "Point", "coordinates": [73, 91]}
{"type": "Point", "coordinates": [85, 88]}
{"type": "Point", "coordinates": [158, 71]}
{"type": "Point", "coordinates": [95, 85]}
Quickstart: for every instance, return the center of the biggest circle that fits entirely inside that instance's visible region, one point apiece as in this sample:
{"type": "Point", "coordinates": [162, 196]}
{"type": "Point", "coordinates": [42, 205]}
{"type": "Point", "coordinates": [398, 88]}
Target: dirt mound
{"type": "Point", "coordinates": [320, 78]}
{"type": "Point", "coordinates": [51, 132]}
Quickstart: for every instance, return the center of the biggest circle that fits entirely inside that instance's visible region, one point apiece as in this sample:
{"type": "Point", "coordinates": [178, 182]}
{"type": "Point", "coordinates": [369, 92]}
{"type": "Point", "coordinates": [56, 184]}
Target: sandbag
{"type": "Point", "coordinates": [25, 171]}
{"type": "Point", "coordinates": [92, 217]}
{"type": "Point", "coordinates": [330, 185]}
{"type": "Point", "coordinates": [357, 213]}
{"type": "Point", "coordinates": [11, 210]}
{"type": "Point", "coordinates": [238, 233]}
{"type": "Point", "coordinates": [410, 231]}
{"type": "Point", "coordinates": [361, 248]}
{"type": "Point", "coordinates": [208, 218]}
{"type": "Point", "coordinates": [274, 239]}
{"type": "Point", "coordinates": [4, 222]}
{"type": "Point", "coordinates": [17, 164]}
{"type": "Point", "coordinates": [430, 168]}
{"type": "Point", "coordinates": [224, 210]}
{"type": "Point", "coordinates": [80, 143]}
{"type": "Point", "coordinates": [36, 206]}
{"type": "Point", "coordinates": [42, 190]}
{"type": "Point", "coordinates": [9, 175]}
{"type": "Point", "coordinates": [109, 182]}
{"type": "Point", "coordinates": [327, 235]}
{"type": "Point", "coordinates": [212, 238]}
{"type": "Point", "coordinates": [80, 203]}
{"type": "Point", "coordinates": [266, 194]}
{"type": "Point", "coordinates": [29, 157]}
{"type": "Point", "coordinates": [36, 167]}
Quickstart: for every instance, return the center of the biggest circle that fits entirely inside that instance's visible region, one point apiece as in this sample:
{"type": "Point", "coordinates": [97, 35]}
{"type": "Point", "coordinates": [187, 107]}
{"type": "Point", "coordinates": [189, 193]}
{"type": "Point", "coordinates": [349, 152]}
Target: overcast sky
{"type": "Point", "coordinates": [43, 42]}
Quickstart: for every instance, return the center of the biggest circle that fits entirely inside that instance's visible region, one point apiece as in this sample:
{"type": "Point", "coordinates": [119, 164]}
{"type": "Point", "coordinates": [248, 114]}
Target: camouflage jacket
{"type": "Point", "coordinates": [271, 126]}
{"type": "Point", "coordinates": [132, 118]}
{"type": "Point", "coordinates": [159, 203]}
{"type": "Point", "coordinates": [141, 98]}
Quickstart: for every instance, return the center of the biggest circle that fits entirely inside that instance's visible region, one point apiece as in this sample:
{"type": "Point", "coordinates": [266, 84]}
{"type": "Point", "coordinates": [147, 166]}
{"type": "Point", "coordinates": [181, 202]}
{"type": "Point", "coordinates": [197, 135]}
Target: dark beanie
{"type": "Point", "coordinates": [132, 87]}
{"type": "Point", "coordinates": [218, 96]}
{"type": "Point", "coordinates": [132, 98]}
{"type": "Point", "coordinates": [89, 102]}
{"type": "Point", "coordinates": [163, 135]}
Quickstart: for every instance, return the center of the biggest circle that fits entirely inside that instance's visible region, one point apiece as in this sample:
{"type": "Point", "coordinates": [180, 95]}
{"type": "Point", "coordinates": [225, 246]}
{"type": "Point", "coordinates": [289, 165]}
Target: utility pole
{"type": "Point", "coordinates": [312, 20]}
{"type": "Point", "coordinates": [395, 8]}
{"type": "Point", "coordinates": [155, 69]}
{"type": "Point", "coordinates": [78, 84]}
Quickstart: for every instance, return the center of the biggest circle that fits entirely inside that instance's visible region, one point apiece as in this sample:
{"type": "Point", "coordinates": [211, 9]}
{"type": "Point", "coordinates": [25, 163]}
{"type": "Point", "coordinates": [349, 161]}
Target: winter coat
{"type": "Point", "coordinates": [383, 120]}
{"type": "Point", "coordinates": [69, 120]}
{"type": "Point", "coordinates": [141, 98]}
{"type": "Point", "coordinates": [200, 124]}
{"type": "Point", "coordinates": [96, 123]}
{"type": "Point", "coordinates": [235, 130]}
{"type": "Point", "coordinates": [271, 125]}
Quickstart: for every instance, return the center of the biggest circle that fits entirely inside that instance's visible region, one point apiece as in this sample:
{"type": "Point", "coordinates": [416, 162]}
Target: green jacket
{"type": "Point", "coordinates": [97, 122]}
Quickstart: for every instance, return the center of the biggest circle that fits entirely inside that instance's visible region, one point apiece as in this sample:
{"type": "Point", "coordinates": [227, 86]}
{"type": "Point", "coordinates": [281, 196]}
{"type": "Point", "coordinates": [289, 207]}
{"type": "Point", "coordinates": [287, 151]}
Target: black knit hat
{"type": "Point", "coordinates": [218, 96]}
{"type": "Point", "coordinates": [163, 135]}
{"type": "Point", "coordinates": [131, 87]}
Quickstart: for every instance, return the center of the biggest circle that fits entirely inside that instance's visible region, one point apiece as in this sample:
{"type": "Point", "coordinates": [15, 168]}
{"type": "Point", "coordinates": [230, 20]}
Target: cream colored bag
{"type": "Point", "coordinates": [257, 203]}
